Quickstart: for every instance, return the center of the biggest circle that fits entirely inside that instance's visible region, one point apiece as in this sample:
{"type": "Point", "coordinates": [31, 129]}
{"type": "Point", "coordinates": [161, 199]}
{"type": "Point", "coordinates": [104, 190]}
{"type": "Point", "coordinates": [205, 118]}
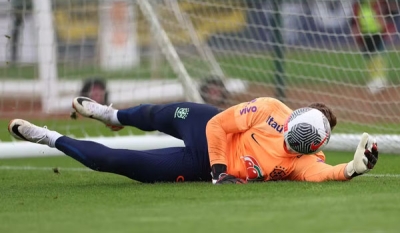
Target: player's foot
{"type": "Point", "coordinates": [91, 109]}
{"type": "Point", "coordinates": [24, 130]}
{"type": "Point", "coordinates": [377, 85]}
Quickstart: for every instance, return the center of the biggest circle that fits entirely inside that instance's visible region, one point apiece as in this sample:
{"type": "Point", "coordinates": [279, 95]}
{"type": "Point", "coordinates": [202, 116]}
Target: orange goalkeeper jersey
{"type": "Point", "coordinates": [248, 138]}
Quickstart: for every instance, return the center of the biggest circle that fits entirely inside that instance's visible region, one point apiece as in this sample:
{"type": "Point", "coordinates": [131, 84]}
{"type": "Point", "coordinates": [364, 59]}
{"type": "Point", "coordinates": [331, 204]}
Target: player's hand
{"type": "Point", "coordinates": [229, 179]}
{"type": "Point", "coordinates": [365, 157]}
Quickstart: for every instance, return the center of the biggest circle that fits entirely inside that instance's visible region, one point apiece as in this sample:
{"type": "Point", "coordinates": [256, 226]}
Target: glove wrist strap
{"type": "Point", "coordinates": [350, 171]}
{"type": "Point", "coordinates": [217, 170]}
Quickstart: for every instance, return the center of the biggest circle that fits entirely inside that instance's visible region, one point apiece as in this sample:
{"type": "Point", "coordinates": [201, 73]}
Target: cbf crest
{"type": "Point", "coordinates": [181, 113]}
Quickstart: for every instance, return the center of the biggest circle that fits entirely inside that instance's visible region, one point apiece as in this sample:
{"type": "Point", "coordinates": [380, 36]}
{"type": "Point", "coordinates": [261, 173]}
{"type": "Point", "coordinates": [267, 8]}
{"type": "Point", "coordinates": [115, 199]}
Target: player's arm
{"type": "Point", "coordinates": [216, 131]}
{"type": "Point", "coordinates": [311, 168]}
{"type": "Point", "coordinates": [236, 119]}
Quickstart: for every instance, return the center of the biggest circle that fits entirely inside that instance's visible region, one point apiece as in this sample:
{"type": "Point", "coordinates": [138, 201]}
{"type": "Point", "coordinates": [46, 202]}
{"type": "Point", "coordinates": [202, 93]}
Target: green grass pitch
{"type": "Point", "coordinates": [77, 200]}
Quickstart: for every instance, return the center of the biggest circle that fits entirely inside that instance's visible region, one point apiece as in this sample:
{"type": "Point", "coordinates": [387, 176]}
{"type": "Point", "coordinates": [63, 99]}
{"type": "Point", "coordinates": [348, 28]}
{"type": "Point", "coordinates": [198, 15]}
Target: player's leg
{"type": "Point", "coordinates": [374, 46]}
{"type": "Point", "coordinates": [162, 165]}
{"type": "Point", "coordinates": [186, 121]}
{"type": "Point", "coordinates": [169, 164]}
{"type": "Point", "coordinates": [378, 58]}
{"type": "Point", "coordinates": [182, 120]}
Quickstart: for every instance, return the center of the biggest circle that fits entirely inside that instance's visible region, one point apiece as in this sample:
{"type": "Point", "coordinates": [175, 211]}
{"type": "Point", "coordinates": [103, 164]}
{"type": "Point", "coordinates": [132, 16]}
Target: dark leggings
{"type": "Point", "coordinates": [186, 121]}
{"type": "Point", "coordinates": [372, 44]}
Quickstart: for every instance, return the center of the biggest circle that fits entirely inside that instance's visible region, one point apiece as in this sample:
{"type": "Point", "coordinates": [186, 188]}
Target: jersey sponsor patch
{"type": "Point", "coordinates": [275, 125]}
{"type": "Point", "coordinates": [248, 109]}
{"type": "Point", "coordinates": [253, 168]}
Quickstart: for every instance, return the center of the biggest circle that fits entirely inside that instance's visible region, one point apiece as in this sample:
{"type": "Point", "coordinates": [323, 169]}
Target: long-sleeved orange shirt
{"type": "Point", "coordinates": [248, 138]}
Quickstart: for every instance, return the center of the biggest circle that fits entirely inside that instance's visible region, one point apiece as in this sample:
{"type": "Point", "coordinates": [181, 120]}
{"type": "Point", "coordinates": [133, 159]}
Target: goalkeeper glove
{"type": "Point", "coordinates": [365, 157]}
{"type": "Point", "coordinates": [229, 179]}
{"type": "Point", "coordinates": [219, 176]}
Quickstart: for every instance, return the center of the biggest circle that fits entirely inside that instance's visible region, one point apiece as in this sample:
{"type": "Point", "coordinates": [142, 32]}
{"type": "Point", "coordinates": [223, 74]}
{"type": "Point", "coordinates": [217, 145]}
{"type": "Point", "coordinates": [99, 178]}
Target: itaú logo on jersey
{"type": "Point", "coordinates": [271, 122]}
{"type": "Point", "coordinates": [253, 168]}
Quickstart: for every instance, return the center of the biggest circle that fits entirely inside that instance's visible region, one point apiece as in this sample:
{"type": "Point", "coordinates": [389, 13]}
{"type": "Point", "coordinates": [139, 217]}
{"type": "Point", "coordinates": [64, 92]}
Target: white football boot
{"type": "Point", "coordinates": [377, 85]}
{"type": "Point", "coordinates": [91, 109]}
{"type": "Point", "coordinates": [26, 131]}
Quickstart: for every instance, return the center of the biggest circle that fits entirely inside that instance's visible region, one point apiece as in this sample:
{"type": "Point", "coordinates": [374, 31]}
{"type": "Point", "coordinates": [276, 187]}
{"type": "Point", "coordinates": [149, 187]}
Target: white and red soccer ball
{"type": "Point", "coordinates": [307, 131]}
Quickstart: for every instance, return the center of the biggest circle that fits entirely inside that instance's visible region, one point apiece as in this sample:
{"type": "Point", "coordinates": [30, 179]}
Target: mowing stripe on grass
{"type": "Point", "coordinates": [82, 169]}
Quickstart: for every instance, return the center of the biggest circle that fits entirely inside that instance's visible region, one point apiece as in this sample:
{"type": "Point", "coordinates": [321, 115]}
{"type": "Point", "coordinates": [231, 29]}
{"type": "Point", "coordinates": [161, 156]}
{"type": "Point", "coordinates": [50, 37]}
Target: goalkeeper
{"type": "Point", "coordinates": [243, 143]}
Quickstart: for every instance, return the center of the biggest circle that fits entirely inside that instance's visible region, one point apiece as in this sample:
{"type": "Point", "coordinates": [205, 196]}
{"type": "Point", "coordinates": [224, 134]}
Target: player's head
{"type": "Point", "coordinates": [96, 89]}
{"type": "Point", "coordinates": [328, 113]}
{"type": "Point", "coordinates": [307, 131]}
{"type": "Point", "coordinates": [213, 91]}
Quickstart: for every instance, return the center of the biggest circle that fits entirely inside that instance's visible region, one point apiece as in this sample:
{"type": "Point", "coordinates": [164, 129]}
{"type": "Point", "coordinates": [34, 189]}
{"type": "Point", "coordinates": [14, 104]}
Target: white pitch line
{"type": "Point", "coordinates": [383, 175]}
{"type": "Point", "coordinates": [82, 169]}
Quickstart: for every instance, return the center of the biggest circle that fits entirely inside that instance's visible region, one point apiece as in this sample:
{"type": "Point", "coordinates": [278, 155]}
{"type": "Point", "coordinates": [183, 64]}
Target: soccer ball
{"type": "Point", "coordinates": [307, 131]}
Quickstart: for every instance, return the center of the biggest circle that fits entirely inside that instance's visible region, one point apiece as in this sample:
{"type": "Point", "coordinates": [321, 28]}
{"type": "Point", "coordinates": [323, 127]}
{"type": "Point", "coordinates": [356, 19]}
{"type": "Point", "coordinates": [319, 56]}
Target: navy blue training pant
{"type": "Point", "coordinates": [186, 121]}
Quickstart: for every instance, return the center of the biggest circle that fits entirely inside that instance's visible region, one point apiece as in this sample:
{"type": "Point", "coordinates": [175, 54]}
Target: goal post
{"type": "Point", "coordinates": [218, 51]}
{"type": "Point", "coordinates": [47, 58]}
{"type": "Point", "coordinates": [167, 48]}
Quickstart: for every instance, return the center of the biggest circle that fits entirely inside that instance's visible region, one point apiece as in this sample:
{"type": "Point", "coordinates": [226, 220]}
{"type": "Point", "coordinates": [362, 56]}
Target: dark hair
{"type": "Point", "coordinates": [89, 83]}
{"type": "Point", "coordinates": [327, 112]}
{"type": "Point", "coordinates": [205, 87]}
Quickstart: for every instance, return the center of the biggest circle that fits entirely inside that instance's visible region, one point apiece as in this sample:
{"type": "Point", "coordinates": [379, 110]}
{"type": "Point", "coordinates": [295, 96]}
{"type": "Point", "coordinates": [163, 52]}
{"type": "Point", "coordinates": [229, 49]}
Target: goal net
{"type": "Point", "coordinates": [220, 52]}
